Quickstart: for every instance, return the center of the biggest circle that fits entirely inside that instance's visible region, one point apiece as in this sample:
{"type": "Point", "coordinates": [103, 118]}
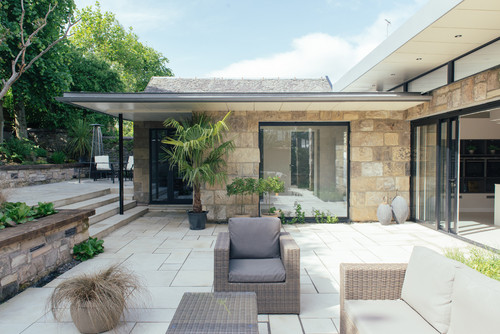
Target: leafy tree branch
{"type": "Point", "coordinates": [20, 64]}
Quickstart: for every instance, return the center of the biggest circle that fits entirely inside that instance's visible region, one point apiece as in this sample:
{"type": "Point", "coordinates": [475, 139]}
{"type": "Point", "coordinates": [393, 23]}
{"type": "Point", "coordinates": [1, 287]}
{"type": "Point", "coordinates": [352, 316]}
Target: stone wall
{"type": "Point", "coordinates": [30, 251]}
{"type": "Point", "coordinates": [15, 176]}
{"type": "Point", "coordinates": [379, 143]}
{"type": "Point", "coordinates": [464, 93]}
{"type": "Point", "coordinates": [380, 158]}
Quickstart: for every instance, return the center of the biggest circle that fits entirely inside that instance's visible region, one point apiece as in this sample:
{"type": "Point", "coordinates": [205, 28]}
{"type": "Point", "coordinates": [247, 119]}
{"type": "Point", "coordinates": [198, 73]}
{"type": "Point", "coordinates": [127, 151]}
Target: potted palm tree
{"type": "Point", "coordinates": [198, 149]}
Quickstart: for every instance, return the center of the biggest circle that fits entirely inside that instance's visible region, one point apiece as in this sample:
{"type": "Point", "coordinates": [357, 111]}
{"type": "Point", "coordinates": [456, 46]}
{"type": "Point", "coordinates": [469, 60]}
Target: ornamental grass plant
{"type": "Point", "coordinates": [482, 260]}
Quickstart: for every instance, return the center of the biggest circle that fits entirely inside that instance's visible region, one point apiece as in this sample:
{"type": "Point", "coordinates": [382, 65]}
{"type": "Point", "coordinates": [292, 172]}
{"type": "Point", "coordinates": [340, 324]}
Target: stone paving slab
{"type": "Point", "coordinates": [173, 259]}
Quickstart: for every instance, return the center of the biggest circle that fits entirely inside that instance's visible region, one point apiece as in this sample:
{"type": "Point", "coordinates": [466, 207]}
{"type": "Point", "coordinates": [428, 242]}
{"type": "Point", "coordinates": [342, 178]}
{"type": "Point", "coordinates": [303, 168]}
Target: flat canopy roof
{"type": "Point", "coordinates": [159, 106]}
{"type": "Point", "coordinates": [441, 31]}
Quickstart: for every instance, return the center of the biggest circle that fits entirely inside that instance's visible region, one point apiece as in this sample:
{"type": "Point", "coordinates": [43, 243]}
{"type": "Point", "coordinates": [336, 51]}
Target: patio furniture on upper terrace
{"type": "Point", "coordinates": [102, 167]}
{"type": "Point", "coordinates": [255, 256]}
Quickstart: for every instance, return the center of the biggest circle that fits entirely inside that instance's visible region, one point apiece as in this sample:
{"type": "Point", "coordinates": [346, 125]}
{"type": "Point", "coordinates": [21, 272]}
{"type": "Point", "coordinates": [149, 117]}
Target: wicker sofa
{"type": "Point", "coordinates": [430, 294]}
{"type": "Point", "coordinates": [275, 294]}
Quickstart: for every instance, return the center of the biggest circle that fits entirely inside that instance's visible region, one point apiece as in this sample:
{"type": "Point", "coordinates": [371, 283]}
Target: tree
{"type": "Point", "coordinates": [23, 60]}
{"type": "Point", "coordinates": [198, 149]}
{"type": "Point", "coordinates": [22, 50]}
{"type": "Point", "coordinates": [100, 34]}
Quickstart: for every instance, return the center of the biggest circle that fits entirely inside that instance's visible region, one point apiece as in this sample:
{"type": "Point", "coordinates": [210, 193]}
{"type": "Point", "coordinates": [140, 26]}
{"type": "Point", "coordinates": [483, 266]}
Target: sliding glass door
{"type": "Point", "coordinates": [435, 173]}
{"type": "Point", "coordinates": [312, 160]}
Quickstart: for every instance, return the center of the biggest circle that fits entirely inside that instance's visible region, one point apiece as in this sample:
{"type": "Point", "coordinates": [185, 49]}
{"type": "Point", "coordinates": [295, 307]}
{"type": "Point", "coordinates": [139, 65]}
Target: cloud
{"type": "Point", "coordinates": [319, 54]}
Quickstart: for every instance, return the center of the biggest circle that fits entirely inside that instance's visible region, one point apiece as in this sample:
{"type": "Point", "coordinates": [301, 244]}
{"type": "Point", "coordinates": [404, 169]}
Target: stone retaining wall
{"type": "Point", "coordinates": [15, 176]}
{"type": "Point", "coordinates": [30, 251]}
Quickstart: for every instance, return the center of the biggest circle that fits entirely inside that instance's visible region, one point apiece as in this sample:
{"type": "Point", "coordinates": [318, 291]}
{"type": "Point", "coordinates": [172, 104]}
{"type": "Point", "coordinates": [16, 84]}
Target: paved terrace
{"type": "Point", "coordinates": [173, 259]}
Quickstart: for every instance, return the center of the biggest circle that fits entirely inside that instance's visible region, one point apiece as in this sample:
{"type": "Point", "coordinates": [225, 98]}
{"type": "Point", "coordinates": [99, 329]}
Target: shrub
{"type": "Point", "coordinates": [17, 150]}
{"type": "Point", "coordinates": [40, 152]}
{"type": "Point", "coordinates": [12, 214]}
{"type": "Point", "coordinates": [88, 249]}
{"type": "Point", "coordinates": [58, 158]}
{"type": "Point", "coordinates": [486, 262]}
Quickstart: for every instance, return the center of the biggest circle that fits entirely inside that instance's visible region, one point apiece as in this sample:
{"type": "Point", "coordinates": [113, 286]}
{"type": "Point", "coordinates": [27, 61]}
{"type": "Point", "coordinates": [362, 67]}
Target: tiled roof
{"type": "Point", "coordinates": [179, 85]}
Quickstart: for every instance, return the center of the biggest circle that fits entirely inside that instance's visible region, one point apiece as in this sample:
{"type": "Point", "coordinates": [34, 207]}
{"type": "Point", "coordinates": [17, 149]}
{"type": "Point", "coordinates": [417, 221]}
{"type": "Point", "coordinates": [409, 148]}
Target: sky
{"type": "Point", "coordinates": [261, 38]}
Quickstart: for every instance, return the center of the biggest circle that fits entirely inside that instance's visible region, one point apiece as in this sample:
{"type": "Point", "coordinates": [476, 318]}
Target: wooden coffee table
{"type": "Point", "coordinates": [219, 312]}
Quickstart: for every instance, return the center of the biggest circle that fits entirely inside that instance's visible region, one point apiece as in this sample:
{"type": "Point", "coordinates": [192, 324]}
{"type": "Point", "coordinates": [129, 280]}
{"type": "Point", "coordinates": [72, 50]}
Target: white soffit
{"type": "Point", "coordinates": [428, 35]}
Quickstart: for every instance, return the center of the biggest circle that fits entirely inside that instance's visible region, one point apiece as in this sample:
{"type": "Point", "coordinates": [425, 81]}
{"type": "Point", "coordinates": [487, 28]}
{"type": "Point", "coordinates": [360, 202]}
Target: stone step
{"type": "Point", "coordinates": [105, 227]}
{"type": "Point", "coordinates": [80, 198]}
{"type": "Point", "coordinates": [93, 203]}
{"type": "Point", "coordinates": [110, 210]}
{"type": "Point", "coordinates": [173, 208]}
{"type": "Point", "coordinates": [128, 191]}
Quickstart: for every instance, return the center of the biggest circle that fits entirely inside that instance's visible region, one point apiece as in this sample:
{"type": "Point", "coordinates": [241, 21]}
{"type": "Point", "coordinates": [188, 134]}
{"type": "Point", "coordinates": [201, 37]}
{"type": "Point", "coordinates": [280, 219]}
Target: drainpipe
{"type": "Point", "coordinates": [120, 159]}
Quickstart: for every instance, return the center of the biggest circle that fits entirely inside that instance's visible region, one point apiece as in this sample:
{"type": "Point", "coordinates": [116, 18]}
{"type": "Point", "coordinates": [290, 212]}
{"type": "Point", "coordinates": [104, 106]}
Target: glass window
{"type": "Point", "coordinates": [430, 81]}
{"type": "Point", "coordinates": [312, 161]}
{"type": "Point", "coordinates": [478, 61]}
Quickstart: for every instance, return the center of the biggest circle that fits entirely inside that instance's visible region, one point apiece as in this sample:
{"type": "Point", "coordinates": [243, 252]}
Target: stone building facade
{"type": "Point", "coordinates": [379, 146]}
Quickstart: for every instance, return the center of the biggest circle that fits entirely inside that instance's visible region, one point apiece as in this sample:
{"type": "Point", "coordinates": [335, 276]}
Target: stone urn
{"type": "Point", "coordinates": [400, 209]}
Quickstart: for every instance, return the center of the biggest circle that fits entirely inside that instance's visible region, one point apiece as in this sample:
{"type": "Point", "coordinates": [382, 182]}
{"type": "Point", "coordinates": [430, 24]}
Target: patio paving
{"type": "Point", "coordinates": [172, 260]}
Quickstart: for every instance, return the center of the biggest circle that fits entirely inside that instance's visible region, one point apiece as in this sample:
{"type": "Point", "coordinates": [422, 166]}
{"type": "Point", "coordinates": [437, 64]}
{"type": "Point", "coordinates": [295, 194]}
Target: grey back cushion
{"type": "Point", "coordinates": [254, 238]}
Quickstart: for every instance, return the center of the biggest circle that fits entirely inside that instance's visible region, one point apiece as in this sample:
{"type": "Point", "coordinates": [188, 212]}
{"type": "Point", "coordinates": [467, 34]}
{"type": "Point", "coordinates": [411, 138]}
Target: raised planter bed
{"type": "Point", "coordinates": [32, 250]}
{"type": "Point", "coordinates": [14, 176]}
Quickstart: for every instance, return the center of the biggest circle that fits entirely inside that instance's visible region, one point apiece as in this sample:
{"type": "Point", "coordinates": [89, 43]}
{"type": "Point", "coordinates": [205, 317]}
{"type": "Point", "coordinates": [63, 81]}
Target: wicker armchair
{"type": "Point", "coordinates": [277, 297]}
{"type": "Point", "coordinates": [368, 281]}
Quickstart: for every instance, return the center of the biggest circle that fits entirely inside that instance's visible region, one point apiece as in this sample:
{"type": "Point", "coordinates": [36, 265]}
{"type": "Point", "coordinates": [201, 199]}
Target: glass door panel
{"type": "Point", "coordinates": [424, 169]}
{"type": "Point", "coordinates": [166, 185]}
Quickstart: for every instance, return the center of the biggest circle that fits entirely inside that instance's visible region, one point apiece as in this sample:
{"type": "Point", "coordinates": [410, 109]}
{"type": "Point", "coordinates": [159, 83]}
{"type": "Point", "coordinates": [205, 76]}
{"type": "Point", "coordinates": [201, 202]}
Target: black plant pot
{"type": "Point", "coordinates": [197, 220]}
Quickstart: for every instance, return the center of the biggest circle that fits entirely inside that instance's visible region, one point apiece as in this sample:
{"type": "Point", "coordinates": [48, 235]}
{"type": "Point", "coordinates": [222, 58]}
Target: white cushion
{"type": "Point", "coordinates": [386, 317]}
{"type": "Point", "coordinates": [475, 306]}
{"type": "Point", "coordinates": [428, 286]}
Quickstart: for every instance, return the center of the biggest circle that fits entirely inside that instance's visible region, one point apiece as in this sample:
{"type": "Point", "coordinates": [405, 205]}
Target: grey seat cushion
{"type": "Point", "coordinates": [254, 238]}
{"type": "Point", "coordinates": [256, 270]}
{"type": "Point", "coordinates": [386, 317]}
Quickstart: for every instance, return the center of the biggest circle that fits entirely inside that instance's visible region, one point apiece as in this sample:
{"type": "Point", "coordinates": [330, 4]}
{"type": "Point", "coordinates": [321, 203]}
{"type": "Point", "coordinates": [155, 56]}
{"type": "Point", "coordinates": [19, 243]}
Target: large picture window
{"type": "Point", "coordinates": [312, 161]}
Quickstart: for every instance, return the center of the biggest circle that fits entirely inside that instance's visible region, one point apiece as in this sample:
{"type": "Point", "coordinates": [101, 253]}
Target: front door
{"type": "Point", "coordinates": [166, 186]}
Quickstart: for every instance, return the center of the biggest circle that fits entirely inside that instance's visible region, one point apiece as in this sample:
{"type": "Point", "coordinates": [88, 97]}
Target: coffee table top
{"type": "Point", "coordinates": [219, 312]}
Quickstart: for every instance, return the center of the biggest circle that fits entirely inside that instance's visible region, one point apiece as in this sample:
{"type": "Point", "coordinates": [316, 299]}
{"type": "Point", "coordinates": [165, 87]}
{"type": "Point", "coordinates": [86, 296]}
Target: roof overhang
{"type": "Point", "coordinates": [158, 106]}
{"type": "Point", "coordinates": [439, 32]}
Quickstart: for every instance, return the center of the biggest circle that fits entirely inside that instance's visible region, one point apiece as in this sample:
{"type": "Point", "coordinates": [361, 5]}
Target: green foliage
{"type": "Point", "coordinates": [484, 261]}
{"type": "Point", "coordinates": [198, 149]}
{"type": "Point", "coordinates": [44, 209]}
{"type": "Point", "coordinates": [88, 249]}
{"type": "Point", "coordinates": [272, 210]}
{"type": "Point", "coordinates": [18, 212]}
{"type": "Point", "coordinates": [322, 217]}
{"type": "Point", "coordinates": [240, 187]}
{"type": "Point", "coordinates": [17, 150]}
{"type": "Point", "coordinates": [300, 216]}
{"type": "Point", "coordinates": [12, 213]}
{"type": "Point", "coordinates": [79, 143]}
{"type": "Point", "coordinates": [40, 152]}
{"type": "Point", "coordinates": [493, 147]}
{"type": "Point", "coordinates": [269, 186]}
{"type": "Point", "coordinates": [100, 34]}
{"type": "Point", "coordinates": [58, 158]}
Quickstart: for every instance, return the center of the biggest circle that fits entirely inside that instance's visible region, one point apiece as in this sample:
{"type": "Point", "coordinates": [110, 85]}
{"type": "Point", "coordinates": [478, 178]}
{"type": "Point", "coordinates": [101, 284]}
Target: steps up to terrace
{"type": "Point", "coordinates": [106, 205]}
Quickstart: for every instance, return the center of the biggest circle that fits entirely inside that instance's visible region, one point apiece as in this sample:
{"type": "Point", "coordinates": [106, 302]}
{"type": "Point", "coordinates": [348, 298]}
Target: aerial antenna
{"type": "Point", "coordinates": [387, 29]}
